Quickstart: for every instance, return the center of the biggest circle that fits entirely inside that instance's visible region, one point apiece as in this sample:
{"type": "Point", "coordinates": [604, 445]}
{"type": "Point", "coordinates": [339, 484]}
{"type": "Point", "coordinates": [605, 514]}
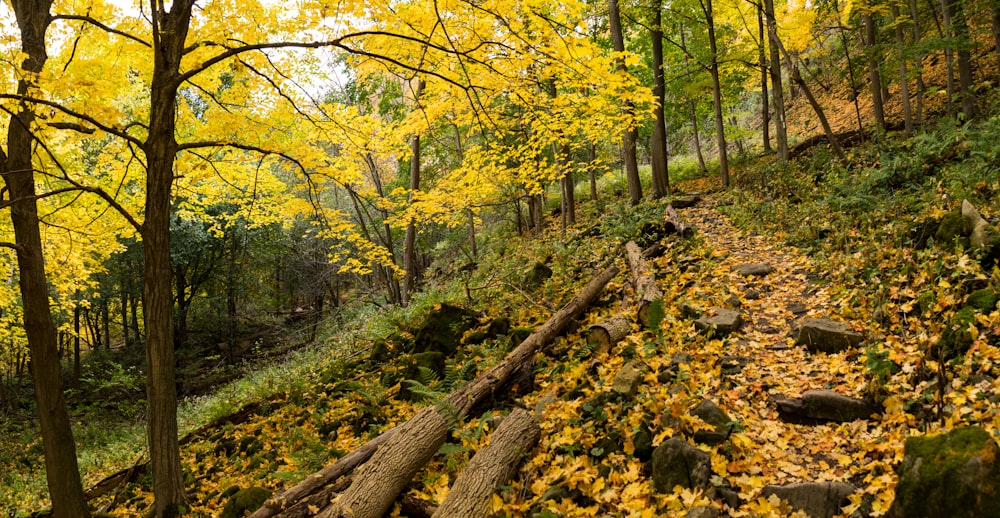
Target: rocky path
{"type": "Point", "coordinates": [799, 402]}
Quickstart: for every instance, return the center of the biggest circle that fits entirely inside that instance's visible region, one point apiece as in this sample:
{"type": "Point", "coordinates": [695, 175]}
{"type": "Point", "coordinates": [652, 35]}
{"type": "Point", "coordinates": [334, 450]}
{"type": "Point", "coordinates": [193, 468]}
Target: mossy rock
{"type": "Point", "coordinates": [518, 335]}
{"type": "Point", "coordinates": [432, 361]}
{"type": "Point", "coordinates": [245, 501]}
{"type": "Point", "coordinates": [443, 329]}
{"type": "Point", "coordinates": [984, 300]}
{"type": "Point", "coordinates": [951, 475]}
{"type": "Point", "coordinates": [920, 233]}
{"type": "Point", "coordinates": [536, 276]}
{"type": "Point", "coordinates": [953, 227]}
{"type": "Point", "coordinates": [957, 339]}
{"type": "Point", "coordinates": [380, 352]}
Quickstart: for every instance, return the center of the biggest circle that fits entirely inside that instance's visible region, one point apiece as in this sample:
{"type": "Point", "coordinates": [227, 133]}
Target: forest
{"type": "Point", "coordinates": [500, 258]}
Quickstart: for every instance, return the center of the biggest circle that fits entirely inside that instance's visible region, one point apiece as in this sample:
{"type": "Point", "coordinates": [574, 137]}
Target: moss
{"type": "Point", "coordinates": [957, 339]}
{"type": "Point", "coordinates": [983, 300]}
{"type": "Point", "coordinates": [926, 301]}
{"type": "Point", "coordinates": [952, 227]}
{"type": "Point", "coordinates": [246, 500]}
{"type": "Point", "coordinates": [536, 276]}
{"type": "Point", "coordinates": [949, 475]}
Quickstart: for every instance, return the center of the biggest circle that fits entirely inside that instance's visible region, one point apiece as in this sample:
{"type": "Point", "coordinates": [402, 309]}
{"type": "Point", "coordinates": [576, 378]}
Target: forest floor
{"type": "Point", "coordinates": [594, 454]}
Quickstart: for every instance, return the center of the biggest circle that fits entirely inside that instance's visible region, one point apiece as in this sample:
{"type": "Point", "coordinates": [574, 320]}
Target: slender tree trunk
{"type": "Point", "coordinates": [915, 15]}
{"type": "Point", "coordinates": [472, 233]}
{"type": "Point", "coordinates": [720, 128]}
{"type": "Point", "coordinates": [410, 239]}
{"type": "Point", "coordinates": [960, 29]}
{"type": "Point", "coordinates": [694, 111]}
{"type": "Point", "coordinates": [661, 180]}
{"type": "Point", "coordinates": [949, 59]}
{"type": "Point", "coordinates": [765, 109]}
{"type": "Point", "coordinates": [875, 77]}
{"type": "Point", "coordinates": [61, 470]}
{"type": "Point", "coordinates": [631, 132]}
{"type": "Point", "coordinates": [777, 89]}
{"type": "Point", "coordinates": [592, 171]}
{"type": "Point", "coordinates": [995, 26]}
{"type": "Point", "coordinates": [904, 79]}
{"type": "Point", "coordinates": [569, 186]}
{"type": "Point", "coordinates": [169, 33]}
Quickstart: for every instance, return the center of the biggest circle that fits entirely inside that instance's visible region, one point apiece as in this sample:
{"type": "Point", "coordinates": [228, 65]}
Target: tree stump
{"type": "Point", "coordinates": [605, 335]}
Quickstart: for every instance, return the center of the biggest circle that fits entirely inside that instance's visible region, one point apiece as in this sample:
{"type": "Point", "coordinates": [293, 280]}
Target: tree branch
{"type": "Point", "coordinates": [101, 26]}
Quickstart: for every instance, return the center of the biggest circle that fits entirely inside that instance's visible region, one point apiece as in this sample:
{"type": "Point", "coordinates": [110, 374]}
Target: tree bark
{"type": "Point", "coordinates": [777, 89]}
{"type": "Point", "coordinates": [592, 170]}
{"type": "Point", "coordinates": [661, 178]}
{"type": "Point", "coordinates": [605, 335]}
{"type": "Point", "coordinates": [949, 58]}
{"type": "Point", "coordinates": [995, 26]}
{"type": "Point", "coordinates": [915, 15]}
{"type": "Point", "coordinates": [643, 281]}
{"type": "Point", "coordinates": [720, 128]}
{"type": "Point", "coordinates": [410, 238]}
{"type": "Point", "coordinates": [904, 80]}
{"type": "Point", "coordinates": [631, 132]}
{"type": "Point", "coordinates": [380, 480]}
{"type": "Point", "coordinates": [680, 226]}
{"type": "Point", "coordinates": [765, 109]}
{"type": "Point", "coordinates": [62, 473]}
{"type": "Point", "coordinates": [470, 495]}
{"type": "Point", "coordinates": [694, 111]}
{"type": "Point", "coordinates": [874, 75]}
{"type": "Point", "coordinates": [967, 92]}
{"type": "Point", "coordinates": [169, 33]}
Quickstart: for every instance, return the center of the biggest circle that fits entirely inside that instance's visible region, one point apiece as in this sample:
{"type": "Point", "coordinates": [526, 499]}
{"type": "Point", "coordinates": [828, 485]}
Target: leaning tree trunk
{"type": "Point", "coordinates": [471, 494]}
{"type": "Point", "coordinates": [61, 470]}
{"type": "Point", "coordinates": [380, 480]}
{"type": "Point", "coordinates": [631, 132]}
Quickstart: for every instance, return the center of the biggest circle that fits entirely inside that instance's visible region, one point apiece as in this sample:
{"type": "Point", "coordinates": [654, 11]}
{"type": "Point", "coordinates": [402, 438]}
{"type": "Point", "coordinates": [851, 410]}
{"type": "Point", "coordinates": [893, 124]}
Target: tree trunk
{"type": "Point", "coordinates": [875, 77]}
{"type": "Point", "coordinates": [720, 128]}
{"type": "Point", "coordinates": [643, 281]}
{"type": "Point", "coordinates": [605, 335]}
{"type": "Point", "coordinates": [592, 170]}
{"type": "Point", "coordinates": [471, 494]}
{"type": "Point", "coordinates": [410, 239]}
{"type": "Point", "coordinates": [949, 58]}
{"type": "Point", "coordinates": [661, 179]}
{"type": "Point", "coordinates": [966, 87]}
{"type": "Point", "coordinates": [850, 71]}
{"type": "Point", "coordinates": [904, 80]}
{"type": "Point", "coordinates": [694, 111]}
{"type": "Point", "coordinates": [777, 89]}
{"type": "Point", "coordinates": [380, 480]}
{"type": "Point", "coordinates": [915, 15]}
{"type": "Point", "coordinates": [169, 33]}
{"type": "Point", "coordinates": [61, 469]}
{"type": "Point", "coordinates": [765, 109]}
{"type": "Point", "coordinates": [995, 26]}
{"type": "Point", "coordinates": [631, 132]}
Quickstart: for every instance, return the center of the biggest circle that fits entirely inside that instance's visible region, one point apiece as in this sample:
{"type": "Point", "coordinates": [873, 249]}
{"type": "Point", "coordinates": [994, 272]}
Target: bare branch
{"type": "Point", "coordinates": [101, 26]}
{"type": "Point", "coordinates": [72, 113]}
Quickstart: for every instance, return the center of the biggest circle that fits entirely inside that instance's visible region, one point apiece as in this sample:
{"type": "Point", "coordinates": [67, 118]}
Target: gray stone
{"type": "Point", "coordinates": [733, 364]}
{"type": "Point", "coordinates": [826, 405]}
{"type": "Point", "coordinates": [683, 202]}
{"type": "Point", "coordinates": [677, 463]}
{"type": "Point", "coordinates": [797, 308]}
{"type": "Point", "coordinates": [536, 276]}
{"type": "Point", "coordinates": [628, 378]}
{"type": "Point", "coordinates": [817, 499]}
{"type": "Point", "coordinates": [951, 475]}
{"type": "Point", "coordinates": [703, 511]}
{"type": "Point", "coordinates": [722, 321]}
{"type": "Point", "coordinates": [751, 294]}
{"type": "Point", "coordinates": [756, 270]}
{"type": "Point", "coordinates": [711, 414]}
{"type": "Point", "coordinates": [822, 335]}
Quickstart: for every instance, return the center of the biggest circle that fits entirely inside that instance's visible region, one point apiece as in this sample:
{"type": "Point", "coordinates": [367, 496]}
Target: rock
{"type": "Point", "coordinates": [688, 310]}
{"type": "Point", "coordinates": [755, 270]}
{"type": "Point", "coordinates": [536, 276]}
{"type": "Point", "coordinates": [721, 321]}
{"type": "Point", "coordinates": [816, 499]}
{"type": "Point", "coordinates": [751, 294]}
{"type": "Point", "coordinates": [245, 500]}
{"type": "Point", "coordinates": [734, 301]}
{"type": "Point", "coordinates": [956, 338]}
{"type": "Point", "coordinates": [733, 364]}
{"type": "Point", "coordinates": [677, 463]}
{"type": "Point", "coordinates": [629, 377]}
{"type": "Point", "coordinates": [825, 405]}
{"type": "Point", "coordinates": [822, 335]}
{"type": "Point", "coordinates": [953, 227]}
{"type": "Point", "coordinates": [683, 202]}
{"type": "Point", "coordinates": [797, 308]}
{"type": "Point", "coordinates": [703, 512]}
{"type": "Point", "coordinates": [984, 300]}
{"type": "Point", "coordinates": [711, 414]}
{"type": "Point", "coordinates": [981, 233]}
{"type": "Point", "coordinates": [951, 475]}
{"type": "Point", "coordinates": [419, 363]}
{"type": "Point", "coordinates": [442, 330]}
{"type": "Point", "coordinates": [920, 233]}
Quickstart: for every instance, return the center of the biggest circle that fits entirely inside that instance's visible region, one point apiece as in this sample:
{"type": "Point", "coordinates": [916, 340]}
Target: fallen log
{"type": "Point", "coordinates": [378, 482]}
{"type": "Point", "coordinates": [680, 226]}
{"type": "Point", "coordinates": [601, 337]}
{"type": "Point", "coordinates": [646, 290]}
{"type": "Point", "coordinates": [490, 467]}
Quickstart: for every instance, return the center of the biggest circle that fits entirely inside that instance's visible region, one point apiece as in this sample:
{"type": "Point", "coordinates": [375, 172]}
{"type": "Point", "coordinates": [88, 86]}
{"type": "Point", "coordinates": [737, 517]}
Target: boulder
{"type": "Point", "coordinates": [244, 501]}
{"type": "Point", "coordinates": [822, 335]}
{"type": "Point", "coordinates": [754, 270]}
{"type": "Point", "coordinates": [536, 276]}
{"type": "Point", "coordinates": [797, 308]}
{"type": "Point", "coordinates": [816, 499]}
{"type": "Point", "coordinates": [628, 378]}
{"type": "Point", "coordinates": [953, 475]}
{"type": "Point", "coordinates": [721, 321]}
{"type": "Point", "coordinates": [703, 511]}
{"type": "Point", "coordinates": [825, 405]}
{"type": "Point", "coordinates": [677, 463]}
{"type": "Point", "coordinates": [712, 415]}
{"type": "Point", "coordinates": [683, 202]}
{"type": "Point", "coordinates": [417, 364]}
{"type": "Point", "coordinates": [442, 330]}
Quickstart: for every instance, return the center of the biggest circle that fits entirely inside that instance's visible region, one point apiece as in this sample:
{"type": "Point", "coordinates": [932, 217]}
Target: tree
{"type": "Point", "coordinates": [777, 89]}
{"type": "Point", "coordinates": [631, 132]}
{"type": "Point", "coordinates": [904, 80]}
{"type": "Point", "coordinates": [410, 239]}
{"type": "Point", "coordinates": [713, 64]}
{"type": "Point", "coordinates": [18, 171]}
{"type": "Point", "coordinates": [874, 74]}
{"type": "Point", "coordinates": [661, 178]}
